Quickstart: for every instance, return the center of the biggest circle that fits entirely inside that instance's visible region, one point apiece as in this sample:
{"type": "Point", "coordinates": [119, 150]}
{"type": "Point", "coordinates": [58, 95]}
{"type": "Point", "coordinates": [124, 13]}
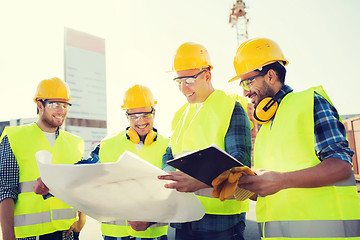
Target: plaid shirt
{"type": "Point", "coordinates": [237, 144]}
{"type": "Point", "coordinates": [9, 177]}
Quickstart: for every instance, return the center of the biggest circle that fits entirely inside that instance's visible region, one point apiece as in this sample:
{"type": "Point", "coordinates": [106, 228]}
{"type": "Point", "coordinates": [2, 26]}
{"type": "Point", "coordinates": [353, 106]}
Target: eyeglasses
{"type": "Point", "coordinates": [58, 105]}
{"type": "Point", "coordinates": [143, 115]}
{"type": "Point", "coordinates": [187, 80]}
{"type": "Point", "coordinates": [246, 83]}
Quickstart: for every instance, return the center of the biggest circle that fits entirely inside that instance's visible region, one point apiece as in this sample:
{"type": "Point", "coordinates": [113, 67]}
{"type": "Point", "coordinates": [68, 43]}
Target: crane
{"type": "Point", "coordinates": [239, 20]}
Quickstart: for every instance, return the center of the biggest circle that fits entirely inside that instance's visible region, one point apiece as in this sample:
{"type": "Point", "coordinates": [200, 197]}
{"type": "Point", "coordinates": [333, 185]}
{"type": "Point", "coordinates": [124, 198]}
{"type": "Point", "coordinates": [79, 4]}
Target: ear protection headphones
{"type": "Point", "coordinates": [266, 109]}
{"type": "Point", "coordinates": [133, 136]}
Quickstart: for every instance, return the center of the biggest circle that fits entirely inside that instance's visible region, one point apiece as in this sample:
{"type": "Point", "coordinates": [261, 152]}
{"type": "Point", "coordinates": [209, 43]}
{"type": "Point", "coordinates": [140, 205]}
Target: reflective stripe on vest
{"type": "Point", "coordinates": [31, 213]}
{"type": "Point", "coordinates": [194, 130]}
{"type": "Point", "coordinates": [116, 228]}
{"type": "Point", "coordinates": [311, 229]}
{"type": "Point", "coordinates": [61, 214]}
{"type": "Point", "coordinates": [43, 217]}
{"type": "Point", "coordinates": [155, 231]}
{"type": "Point", "coordinates": [285, 145]}
{"type": "Point", "coordinates": [118, 223]}
{"type": "Point", "coordinates": [110, 150]}
{"type": "Point", "coordinates": [123, 223]}
{"type": "Point", "coordinates": [206, 192]}
{"type": "Point", "coordinates": [347, 182]}
{"type": "Point", "coordinates": [32, 219]}
{"type": "Point", "coordinates": [25, 187]}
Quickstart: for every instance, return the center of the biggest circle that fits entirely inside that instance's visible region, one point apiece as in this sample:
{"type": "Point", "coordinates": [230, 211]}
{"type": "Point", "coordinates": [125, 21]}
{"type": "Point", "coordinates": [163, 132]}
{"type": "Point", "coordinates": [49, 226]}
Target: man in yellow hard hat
{"type": "Point", "coordinates": [209, 117]}
{"type": "Point", "coordinates": [306, 187]}
{"type": "Point", "coordinates": [24, 215]}
{"type": "Point", "coordinates": [142, 139]}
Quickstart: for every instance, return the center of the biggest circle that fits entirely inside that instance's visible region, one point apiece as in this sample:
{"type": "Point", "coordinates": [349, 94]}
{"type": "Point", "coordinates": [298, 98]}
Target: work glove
{"type": "Point", "coordinates": [225, 185]}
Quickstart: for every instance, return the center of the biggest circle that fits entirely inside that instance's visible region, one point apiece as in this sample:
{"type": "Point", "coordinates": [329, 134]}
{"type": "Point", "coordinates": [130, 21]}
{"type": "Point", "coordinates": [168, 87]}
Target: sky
{"type": "Point", "coordinates": [320, 39]}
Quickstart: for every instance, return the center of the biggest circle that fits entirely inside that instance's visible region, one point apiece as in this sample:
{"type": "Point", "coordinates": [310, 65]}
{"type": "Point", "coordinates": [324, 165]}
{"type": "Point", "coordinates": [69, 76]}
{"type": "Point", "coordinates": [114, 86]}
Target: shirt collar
{"type": "Point", "coordinates": [57, 132]}
{"type": "Point", "coordinates": [283, 92]}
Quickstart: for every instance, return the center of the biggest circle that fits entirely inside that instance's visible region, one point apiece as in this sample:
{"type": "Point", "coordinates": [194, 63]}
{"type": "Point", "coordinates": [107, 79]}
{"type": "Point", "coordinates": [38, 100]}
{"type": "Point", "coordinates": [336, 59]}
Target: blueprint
{"type": "Point", "coordinates": [127, 189]}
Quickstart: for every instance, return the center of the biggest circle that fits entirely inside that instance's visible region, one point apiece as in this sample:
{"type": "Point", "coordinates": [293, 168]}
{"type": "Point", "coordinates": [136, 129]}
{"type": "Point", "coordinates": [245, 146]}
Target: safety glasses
{"type": "Point", "coordinates": [143, 115]}
{"type": "Point", "coordinates": [58, 105]}
{"type": "Point", "coordinates": [246, 83]}
{"type": "Point", "coordinates": [187, 80]}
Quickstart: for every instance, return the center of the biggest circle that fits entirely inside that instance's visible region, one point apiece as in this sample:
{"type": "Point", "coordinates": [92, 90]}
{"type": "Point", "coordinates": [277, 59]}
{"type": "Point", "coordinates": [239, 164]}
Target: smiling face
{"type": "Point", "coordinates": [141, 120]}
{"type": "Point", "coordinates": [259, 87]}
{"type": "Point", "coordinates": [200, 89]}
{"type": "Point", "coordinates": [51, 118]}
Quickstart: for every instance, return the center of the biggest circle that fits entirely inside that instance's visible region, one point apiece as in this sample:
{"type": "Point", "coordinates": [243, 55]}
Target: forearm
{"type": "Point", "coordinates": [182, 182]}
{"type": "Point", "coordinates": [267, 182]}
{"type": "Point", "coordinates": [327, 172]}
{"type": "Point", "coordinates": [7, 219]}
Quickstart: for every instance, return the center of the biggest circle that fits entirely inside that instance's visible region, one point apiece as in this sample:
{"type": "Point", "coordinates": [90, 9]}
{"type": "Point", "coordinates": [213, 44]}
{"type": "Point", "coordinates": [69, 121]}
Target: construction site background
{"type": "Point", "coordinates": [352, 126]}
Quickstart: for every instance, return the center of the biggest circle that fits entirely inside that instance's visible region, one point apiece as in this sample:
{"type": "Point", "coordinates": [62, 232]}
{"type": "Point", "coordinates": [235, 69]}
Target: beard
{"type": "Point", "coordinates": [268, 92]}
{"type": "Point", "coordinates": [50, 122]}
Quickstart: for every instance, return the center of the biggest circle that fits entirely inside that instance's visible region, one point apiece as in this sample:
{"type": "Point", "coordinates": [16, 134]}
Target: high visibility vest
{"type": "Point", "coordinates": [33, 215]}
{"type": "Point", "coordinates": [110, 150]}
{"type": "Point", "coordinates": [329, 212]}
{"type": "Point", "coordinates": [193, 130]}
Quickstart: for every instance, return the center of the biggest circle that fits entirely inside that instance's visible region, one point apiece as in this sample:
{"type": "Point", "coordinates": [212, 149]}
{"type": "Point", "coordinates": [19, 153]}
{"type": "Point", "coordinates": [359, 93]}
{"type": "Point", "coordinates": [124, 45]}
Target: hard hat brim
{"type": "Point", "coordinates": [235, 78]}
{"type": "Point", "coordinates": [37, 98]}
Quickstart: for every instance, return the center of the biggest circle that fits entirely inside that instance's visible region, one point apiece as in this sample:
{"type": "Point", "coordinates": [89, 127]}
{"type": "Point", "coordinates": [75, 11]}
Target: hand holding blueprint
{"type": "Point", "coordinates": [127, 189]}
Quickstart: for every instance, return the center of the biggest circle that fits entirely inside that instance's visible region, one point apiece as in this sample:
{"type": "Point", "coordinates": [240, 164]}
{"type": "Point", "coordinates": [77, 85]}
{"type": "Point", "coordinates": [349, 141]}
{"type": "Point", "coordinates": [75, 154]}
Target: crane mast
{"type": "Point", "coordinates": [239, 20]}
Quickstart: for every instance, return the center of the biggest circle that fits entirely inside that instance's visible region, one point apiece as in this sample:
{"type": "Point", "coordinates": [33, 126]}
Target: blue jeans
{"type": "Point", "coordinates": [234, 233]}
{"type": "Point", "coordinates": [133, 238]}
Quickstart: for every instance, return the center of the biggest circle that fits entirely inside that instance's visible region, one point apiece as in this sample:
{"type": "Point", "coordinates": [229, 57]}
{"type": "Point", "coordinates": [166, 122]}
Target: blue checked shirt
{"type": "Point", "coordinates": [237, 144]}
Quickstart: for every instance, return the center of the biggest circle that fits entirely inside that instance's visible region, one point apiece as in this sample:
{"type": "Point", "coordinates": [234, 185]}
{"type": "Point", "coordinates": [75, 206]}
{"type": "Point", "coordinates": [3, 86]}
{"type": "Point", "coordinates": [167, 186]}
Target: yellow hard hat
{"type": "Point", "coordinates": [53, 88]}
{"type": "Point", "coordinates": [254, 54]}
{"type": "Point", "coordinates": [191, 56]}
{"type": "Point", "coordinates": [138, 96]}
